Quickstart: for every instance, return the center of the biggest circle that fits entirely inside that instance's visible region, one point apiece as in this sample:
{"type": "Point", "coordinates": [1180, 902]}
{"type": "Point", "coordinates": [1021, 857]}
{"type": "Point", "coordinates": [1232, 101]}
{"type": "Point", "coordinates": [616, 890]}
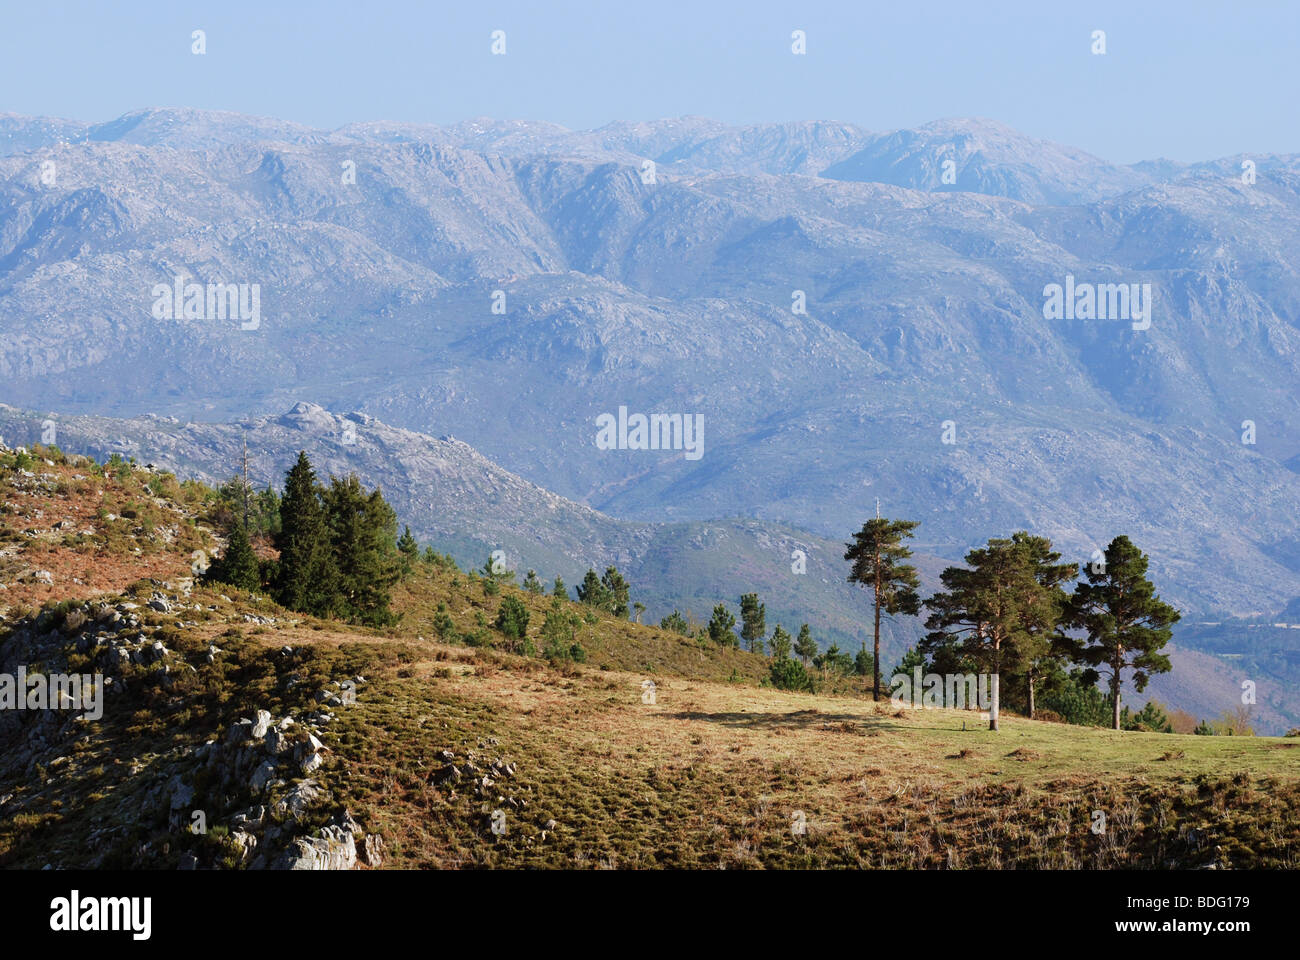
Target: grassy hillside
{"type": "Point", "coordinates": [447, 739]}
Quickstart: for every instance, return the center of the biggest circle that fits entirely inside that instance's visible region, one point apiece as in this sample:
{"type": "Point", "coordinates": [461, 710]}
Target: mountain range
{"type": "Point", "coordinates": [847, 325]}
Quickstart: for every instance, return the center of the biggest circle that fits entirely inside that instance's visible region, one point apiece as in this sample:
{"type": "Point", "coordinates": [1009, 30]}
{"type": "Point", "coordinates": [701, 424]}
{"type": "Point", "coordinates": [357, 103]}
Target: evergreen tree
{"type": "Point", "coordinates": [307, 577]}
{"type": "Point", "coordinates": [616, 592]}
{"type": "Point", "coordinates": [559, 589]}
{"type": "Point", "coordinates": [754, 621]}
{"type": "Point", "coordinates": [720, 627]}
{"type": "Point", "coordinates": [834, 660]}
{"type": "Point", "coordinates": [410, 551]}
{"type": "Point", "coordinates": [912, 657]}
{"type": "Point", "coordinates": [877, 554]}
{"type": "Point", "coordinates": [238, 566]}
{"type": "Point", "coordinates": [674, 622]}
{"type": "Point", "coordinates": [363, 532]}
{"type": "Point", "coordinates": [639, 607]}
{"type": "Point", "coordinates": [805, 647]}
{"type": "Point", "coordinates": [593, 592]}
{"type": "Point", "coordinates": [1043, 609]}
{"type": "Point", "coordinates": [512, 619]}
{"type": "Point", "coordinates": [789, 674]}
{"type": "Point", "coordinates": [780, 643]}
{"type": "Point", "coordinates": [559, 634]}
{"type": "Point", "coordinates": [1150, 719]}
{"type": "Point", "coordinates": [532, 584]}
{"type": "Point", "coordinates": [985, 610]}
{"type": "Point", "coordinates": [1126, 624]}
{"type": "Point", "coordinates": [863, 664]}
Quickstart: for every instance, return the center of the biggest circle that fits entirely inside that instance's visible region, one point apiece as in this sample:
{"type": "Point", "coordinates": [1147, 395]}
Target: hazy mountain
{"type": "Point", "coordinates": [923, 308]}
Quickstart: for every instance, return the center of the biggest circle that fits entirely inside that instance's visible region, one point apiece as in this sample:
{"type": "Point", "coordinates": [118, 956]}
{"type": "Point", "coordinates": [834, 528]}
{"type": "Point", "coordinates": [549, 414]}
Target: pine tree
{"type": "Point", "coordinates": [1039, 651]}
{"type": "Point", "coordinates": [512, 619]}
{"type": "Point", "coordinates": [238, 566]}
{"type": "Point", "coordinates": [532, 584]}
{"type": "Point", "coordinates": [363, 533]}
{"type": "Point", "coordinates": [410, 551]}
{"type": "Point", "coordinates": [593, 592]}
{"type": "Point", "coordinates": [754, 617]}
{"type": "Point", "coordinates": [1127, 625]}
{"type": "Point", "coordinates": [720, 625]}
{"type": "Point", "coordinates": [559, 589]}
{"type": "Point", "coordinates": [616, 592]}
{"type": "Point", "coordinates": [877, 554]}
{"type": "Point", "coordinates": [307, 578]}
{"type": "Point", "coordinates": [780, 643]}
{"type": "Point", "coordinates": [674, 622]}
{"type": "Point", "coordinates": [639, 607]}
{"type": "Point", "coordinates": [834, 660]}
{"type": "Point", "coordinates": [805, 647]}
{"type": "Point", "coordinates": [984, 612]}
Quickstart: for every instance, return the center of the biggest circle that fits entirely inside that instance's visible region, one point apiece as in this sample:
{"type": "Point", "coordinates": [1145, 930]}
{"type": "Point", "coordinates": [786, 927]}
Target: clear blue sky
{"type": "Point", "coordinates": [1185, 80]}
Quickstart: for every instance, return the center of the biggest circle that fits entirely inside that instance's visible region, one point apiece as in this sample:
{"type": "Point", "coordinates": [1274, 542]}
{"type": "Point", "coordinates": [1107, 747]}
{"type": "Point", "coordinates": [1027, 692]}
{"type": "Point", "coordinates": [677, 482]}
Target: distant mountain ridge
{"type": "Point", "coordinates": [828, 331]}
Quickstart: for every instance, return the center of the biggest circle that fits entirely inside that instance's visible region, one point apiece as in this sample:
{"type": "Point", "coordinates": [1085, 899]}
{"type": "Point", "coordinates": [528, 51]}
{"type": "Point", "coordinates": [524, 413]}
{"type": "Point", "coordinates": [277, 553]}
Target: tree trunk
{"type": "Point", "coordinates": [1114, 696]}
{"type": "Point", "coordinates": [1031, 696]}
{"type": "Point", "coordinates": [875, 660]}
{"type": "Point", "coordinates": [993, 704]}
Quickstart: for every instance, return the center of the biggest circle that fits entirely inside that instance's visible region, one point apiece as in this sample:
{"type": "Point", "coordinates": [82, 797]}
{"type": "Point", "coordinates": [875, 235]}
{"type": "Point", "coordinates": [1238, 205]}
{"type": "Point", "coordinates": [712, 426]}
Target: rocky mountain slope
{"type": "Point", "coordinates": [924, 309]}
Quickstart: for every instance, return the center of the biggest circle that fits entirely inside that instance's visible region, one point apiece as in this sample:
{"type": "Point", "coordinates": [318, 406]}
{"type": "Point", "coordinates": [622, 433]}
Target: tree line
{"type": "Point", "coordinates": [337, 543]}
{"type": "Point", "coordinates": [1007, 613]}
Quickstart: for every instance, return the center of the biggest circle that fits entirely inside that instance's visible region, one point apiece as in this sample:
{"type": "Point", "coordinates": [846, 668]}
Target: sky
{"type": "Point", "coordinates": [1183, 80]}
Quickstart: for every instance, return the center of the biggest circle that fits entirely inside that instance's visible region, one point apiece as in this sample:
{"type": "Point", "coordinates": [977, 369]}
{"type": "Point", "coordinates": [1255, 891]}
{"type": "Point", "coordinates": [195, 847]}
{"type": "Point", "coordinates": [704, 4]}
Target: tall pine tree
{"type": "Point", "coordinates": [983, 611]}
{"type": "Point", "coordinates": [753, 616]}
{"type": "Point", "coordinates": [363, 532]}
{"type": "Point", "coordinates": [307, 578]}
{"type": "Point", "coordinates": [877, 554]}
{"type": "Point", "coordinates": [1126, 624]}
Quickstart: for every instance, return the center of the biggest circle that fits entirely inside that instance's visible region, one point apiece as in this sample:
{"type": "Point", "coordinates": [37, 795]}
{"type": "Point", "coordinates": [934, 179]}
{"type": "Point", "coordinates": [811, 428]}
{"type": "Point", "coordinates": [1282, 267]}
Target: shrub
{"type": "Point", "coordinates": [512, 618]}
{"type": "Point", "coordinates": [789, 674]}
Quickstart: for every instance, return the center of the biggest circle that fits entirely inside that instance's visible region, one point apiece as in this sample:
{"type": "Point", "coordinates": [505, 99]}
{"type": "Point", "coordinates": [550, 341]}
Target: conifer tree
{"type": "Point", "coordinates": [238, 566]}
{"type": "Point", "coordinates": [616, 592]}
{"type": "Point", "coordinates": [805, 647]}
{"type": "Point", "coordinates": [984, 611]}
{"type": "Point", "coordinates": [1126, 623]}
{"type": "Point", "coordinates": [877, 554]}
{"type": "Point", "coordinates": [780, 643]}
{"type": "Point", "coordinates": [559, 589]}
{"type": "Point", "coordinates": [410, 551]}
{"type": "Point", "coordinates": [307, 577]}
{"type": "Point", "coordinates": [363, 530]}
{"type": "Point", "coordinates": [674, 622]}
{"type": "Point", "coordinates": [720, 627]}
{"type": "Point", "coordinates": [1043, 610]}
{"type": "Point", "coordinates": [593, 592]}
{"type": "Point", "coordinates": [754, 621]}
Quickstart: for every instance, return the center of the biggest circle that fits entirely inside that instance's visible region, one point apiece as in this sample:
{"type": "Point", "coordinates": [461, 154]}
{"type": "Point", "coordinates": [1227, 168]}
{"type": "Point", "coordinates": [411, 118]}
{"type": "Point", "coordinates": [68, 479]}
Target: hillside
{"type": "Point", "coordinates": [309, 743]}
{"type": "Point", "coordinates": [455, 497]}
